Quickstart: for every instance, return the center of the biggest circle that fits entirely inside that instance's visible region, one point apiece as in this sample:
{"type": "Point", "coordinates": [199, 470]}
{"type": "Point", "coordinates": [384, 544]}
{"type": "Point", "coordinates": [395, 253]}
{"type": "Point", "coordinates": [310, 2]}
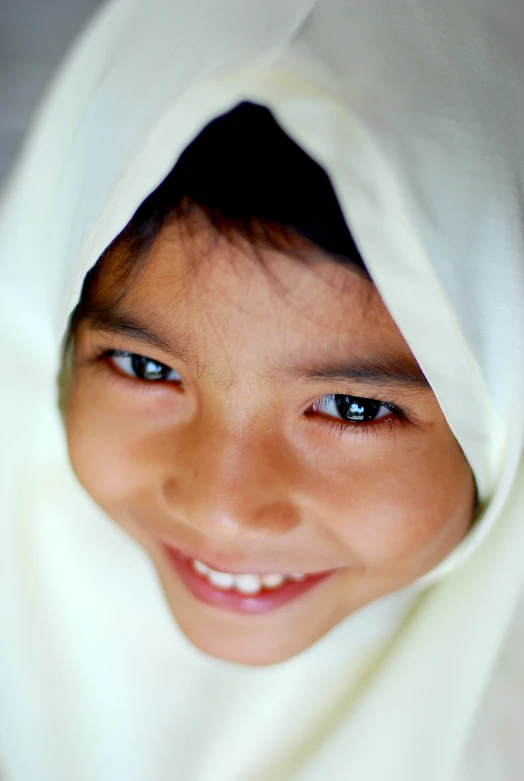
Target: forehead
{"type": "Point", "coordinates": [205, 286]}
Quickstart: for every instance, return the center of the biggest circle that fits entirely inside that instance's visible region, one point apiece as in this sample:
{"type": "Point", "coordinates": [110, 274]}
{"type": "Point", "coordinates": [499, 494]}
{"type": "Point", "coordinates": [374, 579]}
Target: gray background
{"type": "Point", "coordinates": [34, 36]}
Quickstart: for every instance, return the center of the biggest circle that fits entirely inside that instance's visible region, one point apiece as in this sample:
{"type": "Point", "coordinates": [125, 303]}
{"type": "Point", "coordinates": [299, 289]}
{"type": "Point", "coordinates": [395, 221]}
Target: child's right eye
{"type": "Point", "coordinates": [141, 367]}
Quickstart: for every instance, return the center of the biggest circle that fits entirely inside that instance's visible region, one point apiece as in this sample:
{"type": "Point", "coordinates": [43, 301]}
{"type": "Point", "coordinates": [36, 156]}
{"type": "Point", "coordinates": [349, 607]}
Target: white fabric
{"type": "Point", "coordinates": [416, 110]}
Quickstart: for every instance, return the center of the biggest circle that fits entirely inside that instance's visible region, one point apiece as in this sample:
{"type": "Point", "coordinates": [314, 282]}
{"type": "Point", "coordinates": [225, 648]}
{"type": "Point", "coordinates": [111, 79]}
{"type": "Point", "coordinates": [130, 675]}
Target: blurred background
{"type": "Point", "coordinates": [34, 36]}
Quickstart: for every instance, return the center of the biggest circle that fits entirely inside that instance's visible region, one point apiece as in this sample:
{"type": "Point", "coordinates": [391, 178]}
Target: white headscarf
{"type": "Point", "coordinates": [415, 108]}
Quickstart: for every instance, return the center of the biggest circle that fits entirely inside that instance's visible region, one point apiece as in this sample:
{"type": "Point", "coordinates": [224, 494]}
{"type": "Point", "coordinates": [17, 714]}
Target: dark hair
{"type": "Point", "coordinates": [249, 178]}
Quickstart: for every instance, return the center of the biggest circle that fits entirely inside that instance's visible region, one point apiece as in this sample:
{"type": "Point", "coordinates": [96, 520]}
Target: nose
{"type": "Point", "coordinates": [232, 483]}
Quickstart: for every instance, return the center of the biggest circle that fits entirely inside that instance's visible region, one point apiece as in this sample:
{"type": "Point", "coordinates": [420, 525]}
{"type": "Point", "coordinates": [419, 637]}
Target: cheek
{"type": "Point", "coordinates": [102, 449]}
{"type": "Point", "coordinates": [407, 508]}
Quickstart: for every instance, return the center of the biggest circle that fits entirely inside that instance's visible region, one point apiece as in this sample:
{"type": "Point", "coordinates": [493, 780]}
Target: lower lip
{"type": "Point", "coordinates": [232, 600]}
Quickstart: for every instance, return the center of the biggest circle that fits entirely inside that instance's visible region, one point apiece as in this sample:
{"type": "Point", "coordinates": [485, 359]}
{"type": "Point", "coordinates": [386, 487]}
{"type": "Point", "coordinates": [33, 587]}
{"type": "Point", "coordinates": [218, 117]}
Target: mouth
{"type": "Point", "coordinates": [241, 592]}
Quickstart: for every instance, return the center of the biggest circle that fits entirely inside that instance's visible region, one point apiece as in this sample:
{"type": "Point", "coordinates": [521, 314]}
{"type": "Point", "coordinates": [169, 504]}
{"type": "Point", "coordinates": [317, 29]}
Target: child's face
{"type": "Point", "coordinates": [238, 455]}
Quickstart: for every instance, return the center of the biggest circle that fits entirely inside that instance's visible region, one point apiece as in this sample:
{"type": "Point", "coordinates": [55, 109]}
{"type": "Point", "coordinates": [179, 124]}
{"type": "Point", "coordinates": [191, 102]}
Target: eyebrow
{"type": "Point", "coordinates": [113, 320]}
{"type": "Point", "coordinates": [381, 370]}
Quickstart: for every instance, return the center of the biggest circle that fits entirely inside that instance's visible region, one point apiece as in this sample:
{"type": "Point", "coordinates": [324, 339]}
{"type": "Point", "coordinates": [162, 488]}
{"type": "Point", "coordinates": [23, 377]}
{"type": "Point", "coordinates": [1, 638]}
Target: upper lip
{"type": "Point", "coordinates": [224, 564]}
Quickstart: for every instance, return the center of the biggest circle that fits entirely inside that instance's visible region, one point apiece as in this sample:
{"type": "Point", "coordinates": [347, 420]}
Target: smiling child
{"type": "Point", "coordinates": [252, 410]}
{"type": "Point", "coordinates": [270, 527]}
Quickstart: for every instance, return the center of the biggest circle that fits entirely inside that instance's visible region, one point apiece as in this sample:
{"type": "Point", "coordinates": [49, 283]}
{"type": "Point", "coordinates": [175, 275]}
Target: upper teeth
{"type": "Point", "coordinates": [246, 584]}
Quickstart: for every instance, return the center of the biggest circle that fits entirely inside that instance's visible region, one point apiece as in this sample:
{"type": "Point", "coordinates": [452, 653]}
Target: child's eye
{"type": "Point", "coordinates": [143, 368]}
{"type": "Point", "coordinates": [352, 409]}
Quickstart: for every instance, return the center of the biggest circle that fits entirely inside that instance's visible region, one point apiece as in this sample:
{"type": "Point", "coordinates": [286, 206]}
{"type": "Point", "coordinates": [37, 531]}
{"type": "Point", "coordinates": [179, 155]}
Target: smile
{"type": "Point", "coordinates": [241, 593]}
{"type": "Point", "coordinates": [243, 583]}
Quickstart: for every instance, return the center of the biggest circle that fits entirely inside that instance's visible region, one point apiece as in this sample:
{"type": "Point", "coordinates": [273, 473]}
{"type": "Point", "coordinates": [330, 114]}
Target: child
{"type": "Point", "coordinates": [289, 386]}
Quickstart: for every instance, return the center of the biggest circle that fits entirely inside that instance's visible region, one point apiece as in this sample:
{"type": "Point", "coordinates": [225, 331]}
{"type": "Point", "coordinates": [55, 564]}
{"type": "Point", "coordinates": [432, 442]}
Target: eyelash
{"type": "Point", "coordinates": [380, 426]}
{"type": "Point", "coordinates": [342, 426]}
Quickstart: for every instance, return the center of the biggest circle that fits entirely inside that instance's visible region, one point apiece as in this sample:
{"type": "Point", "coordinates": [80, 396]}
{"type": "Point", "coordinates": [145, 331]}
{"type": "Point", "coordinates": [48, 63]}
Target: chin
{"type": "Point", "coordinates": [239, 645]}
{"type": "Point", "coordinates": [253, 642]}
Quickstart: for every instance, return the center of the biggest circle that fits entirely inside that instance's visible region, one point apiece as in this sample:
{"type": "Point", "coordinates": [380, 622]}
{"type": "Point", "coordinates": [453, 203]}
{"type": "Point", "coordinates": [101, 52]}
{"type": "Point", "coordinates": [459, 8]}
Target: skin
{"type": "Point", "coordinates": [235, 464]}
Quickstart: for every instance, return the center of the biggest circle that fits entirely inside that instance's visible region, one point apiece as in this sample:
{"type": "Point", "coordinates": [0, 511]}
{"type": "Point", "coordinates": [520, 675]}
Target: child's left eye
{"type": "Point", "coordinates": [352, 409]}
{"type": "Point", "coordinates": [143, 368]}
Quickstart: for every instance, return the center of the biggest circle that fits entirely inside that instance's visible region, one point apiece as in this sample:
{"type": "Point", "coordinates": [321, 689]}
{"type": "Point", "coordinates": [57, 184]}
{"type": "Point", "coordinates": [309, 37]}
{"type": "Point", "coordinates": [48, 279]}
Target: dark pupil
{"type": "Point", "coordinates": [356, 410]}
{"type": "Point", "coordinates": [147, 369]}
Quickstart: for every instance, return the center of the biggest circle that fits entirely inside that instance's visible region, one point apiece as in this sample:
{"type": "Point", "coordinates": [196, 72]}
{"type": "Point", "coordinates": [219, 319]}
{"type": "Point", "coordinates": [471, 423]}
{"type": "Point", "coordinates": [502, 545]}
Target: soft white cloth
{"type": "Point", "coordinates": [416, 110]}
